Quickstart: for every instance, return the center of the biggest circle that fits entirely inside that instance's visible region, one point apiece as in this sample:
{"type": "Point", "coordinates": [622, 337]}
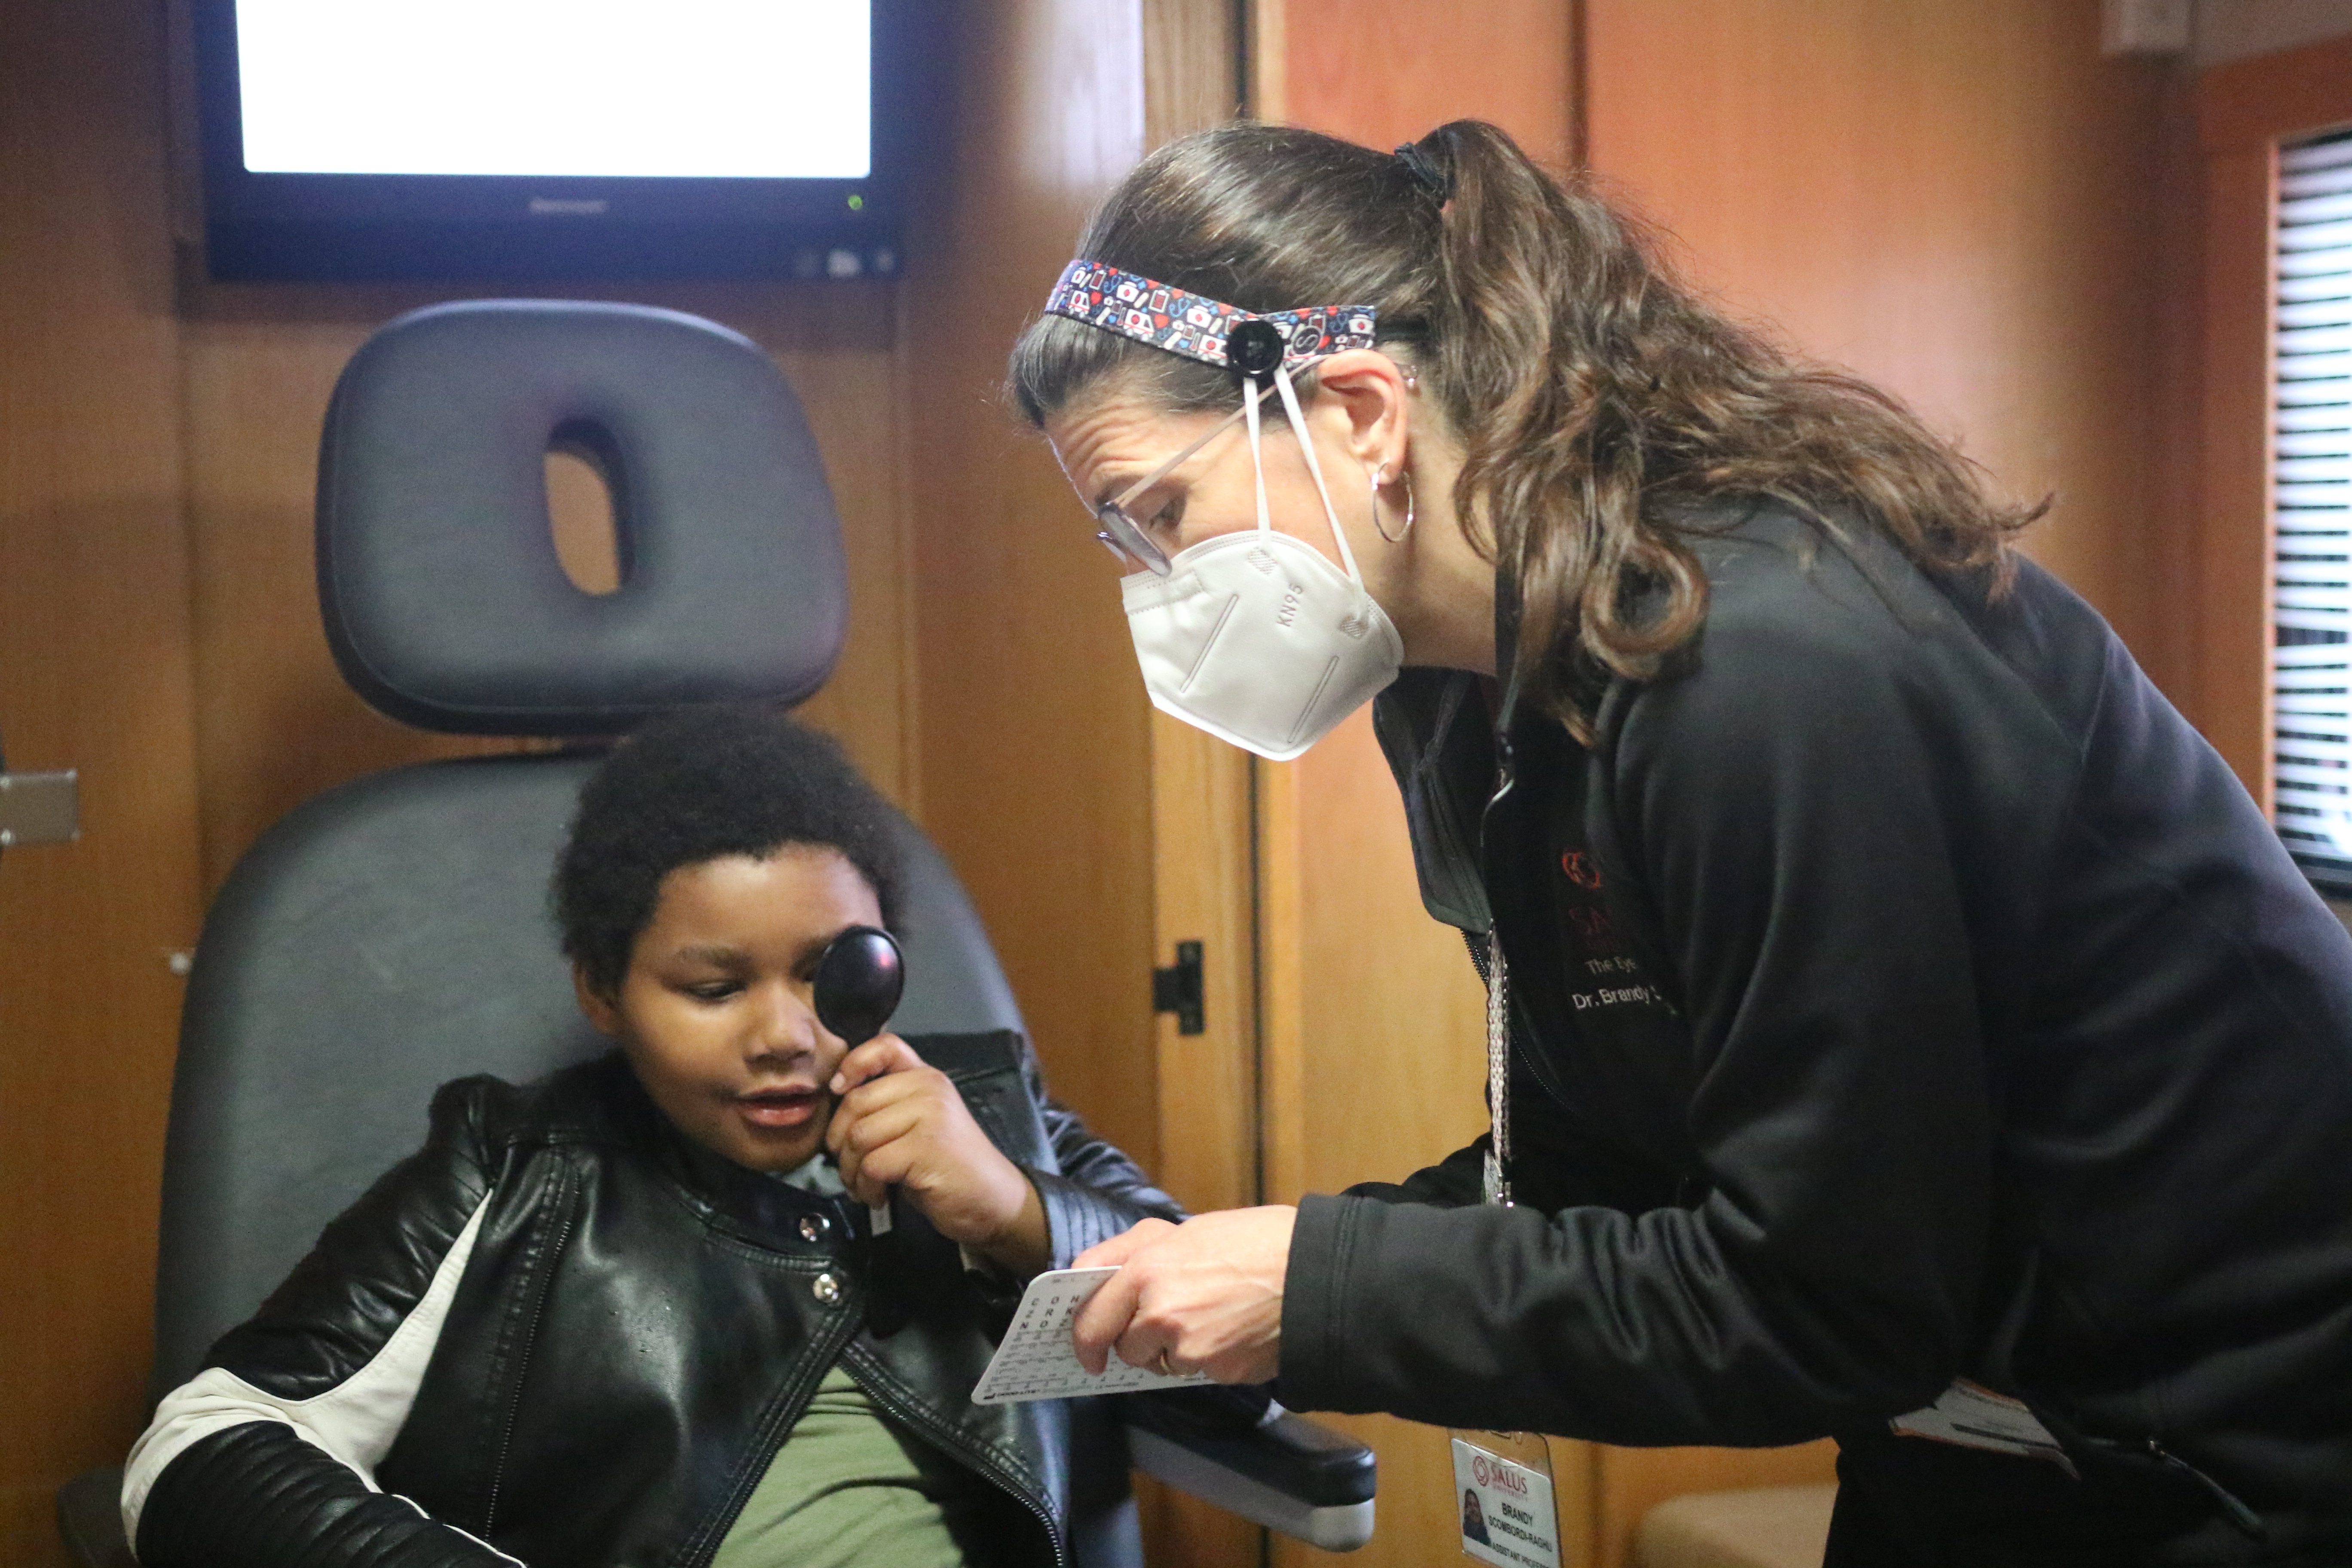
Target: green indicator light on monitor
{"type": "Point", "coordinates": [856, 203]}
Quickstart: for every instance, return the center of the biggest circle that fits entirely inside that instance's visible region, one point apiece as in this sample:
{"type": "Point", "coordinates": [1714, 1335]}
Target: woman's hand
{"type": "Point", "coordinates": [1206, 1293]}
{"type": "Point", "coordinates": [901, 1123]}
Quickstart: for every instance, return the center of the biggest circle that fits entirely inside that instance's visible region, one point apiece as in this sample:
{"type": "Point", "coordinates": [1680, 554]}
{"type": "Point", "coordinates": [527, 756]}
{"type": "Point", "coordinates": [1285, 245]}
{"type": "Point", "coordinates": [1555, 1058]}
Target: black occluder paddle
{"type": "Point", "coordinates": [859, 979]}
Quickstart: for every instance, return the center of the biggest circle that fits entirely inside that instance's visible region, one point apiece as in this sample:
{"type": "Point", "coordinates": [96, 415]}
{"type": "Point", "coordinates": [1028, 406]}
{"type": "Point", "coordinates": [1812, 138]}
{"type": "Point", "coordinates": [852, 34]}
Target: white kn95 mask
{"type": "Point", "coordinates": [1256, 637]}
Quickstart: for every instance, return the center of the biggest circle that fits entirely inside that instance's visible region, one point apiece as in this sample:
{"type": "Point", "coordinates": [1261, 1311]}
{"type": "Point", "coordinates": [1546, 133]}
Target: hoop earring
{"type": "Point", "coordinates": [1379, 477]}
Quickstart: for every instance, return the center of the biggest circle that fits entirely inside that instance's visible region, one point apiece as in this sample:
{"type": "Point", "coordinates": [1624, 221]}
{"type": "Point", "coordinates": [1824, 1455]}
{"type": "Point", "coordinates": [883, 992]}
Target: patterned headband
{"type": "Point", "coordinates": [1203, 328]}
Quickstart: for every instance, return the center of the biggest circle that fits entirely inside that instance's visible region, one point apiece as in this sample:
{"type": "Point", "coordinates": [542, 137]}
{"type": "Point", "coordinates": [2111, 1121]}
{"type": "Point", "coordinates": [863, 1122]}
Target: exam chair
{"type": "Point", "coordinates": [393, 935]}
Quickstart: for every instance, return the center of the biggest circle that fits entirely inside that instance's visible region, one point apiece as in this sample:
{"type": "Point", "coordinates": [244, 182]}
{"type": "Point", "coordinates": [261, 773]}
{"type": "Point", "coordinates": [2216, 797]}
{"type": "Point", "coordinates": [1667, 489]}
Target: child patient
{"type": "Point", "coordinates": [631, 1313]}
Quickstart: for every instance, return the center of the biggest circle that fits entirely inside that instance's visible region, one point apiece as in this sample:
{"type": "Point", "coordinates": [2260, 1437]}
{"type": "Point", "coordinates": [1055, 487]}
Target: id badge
{"type": "Point", "coordinates": [1503, 1497]}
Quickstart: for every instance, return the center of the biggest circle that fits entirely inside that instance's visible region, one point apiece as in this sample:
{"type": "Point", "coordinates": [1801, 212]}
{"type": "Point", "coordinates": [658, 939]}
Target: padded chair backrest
{"type": "Point", "coordinates": [393, 935]}
{"type": "Point", "coordinates": [444, 602]}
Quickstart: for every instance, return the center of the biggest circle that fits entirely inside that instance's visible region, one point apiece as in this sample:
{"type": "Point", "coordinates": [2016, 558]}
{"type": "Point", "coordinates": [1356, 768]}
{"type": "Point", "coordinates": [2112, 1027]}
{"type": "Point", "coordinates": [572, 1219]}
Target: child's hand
{"type": "Point", "coordinates": [901, 1124]}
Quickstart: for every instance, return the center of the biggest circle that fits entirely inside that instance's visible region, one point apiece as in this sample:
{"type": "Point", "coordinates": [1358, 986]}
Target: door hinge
{"type": "Point", "coordinates": [1177, 989]}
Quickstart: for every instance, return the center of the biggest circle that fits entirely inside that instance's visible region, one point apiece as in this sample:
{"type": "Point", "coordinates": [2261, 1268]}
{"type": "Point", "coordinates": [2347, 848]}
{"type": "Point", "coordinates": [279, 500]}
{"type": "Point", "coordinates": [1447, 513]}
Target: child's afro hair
{"type": "Point", "coordinates": [694, 787]}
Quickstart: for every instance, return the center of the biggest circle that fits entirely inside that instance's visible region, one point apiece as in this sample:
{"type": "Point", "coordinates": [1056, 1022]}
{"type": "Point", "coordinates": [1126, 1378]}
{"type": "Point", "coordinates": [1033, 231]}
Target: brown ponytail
{"type": "Point", "coordinates": [1598, 402]}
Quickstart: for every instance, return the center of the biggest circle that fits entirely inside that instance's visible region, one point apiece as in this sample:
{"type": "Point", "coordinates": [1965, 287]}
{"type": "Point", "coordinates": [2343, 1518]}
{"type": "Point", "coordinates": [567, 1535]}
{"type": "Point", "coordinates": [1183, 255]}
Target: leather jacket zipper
{"type": "Point", "coordinates": [522, 1363]}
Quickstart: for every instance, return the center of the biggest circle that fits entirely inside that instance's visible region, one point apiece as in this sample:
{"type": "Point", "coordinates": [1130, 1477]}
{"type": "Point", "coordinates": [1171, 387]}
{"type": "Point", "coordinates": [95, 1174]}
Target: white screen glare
{"type": "Point", "coordinates": [732, 89]}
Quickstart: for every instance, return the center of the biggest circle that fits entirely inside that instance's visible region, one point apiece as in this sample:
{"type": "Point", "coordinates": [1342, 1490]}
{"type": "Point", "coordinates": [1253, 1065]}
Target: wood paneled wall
{"type": "Point", "coordinates": [94, 675]}
{"type": "Point", "coordinates": [1385, 71]}
{"type": "Point", "coordinates": [1961, 203]}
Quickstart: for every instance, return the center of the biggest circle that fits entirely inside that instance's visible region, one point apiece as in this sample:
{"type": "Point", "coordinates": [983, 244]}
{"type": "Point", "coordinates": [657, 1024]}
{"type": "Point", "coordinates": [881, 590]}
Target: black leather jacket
{"type": "Point", "coordinates": [637, 1327]}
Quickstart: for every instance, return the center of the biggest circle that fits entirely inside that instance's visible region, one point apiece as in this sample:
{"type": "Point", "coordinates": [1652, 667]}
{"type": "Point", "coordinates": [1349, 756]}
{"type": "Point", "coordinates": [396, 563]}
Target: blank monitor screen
{"type": "Point", "coordinates": [681, 88]}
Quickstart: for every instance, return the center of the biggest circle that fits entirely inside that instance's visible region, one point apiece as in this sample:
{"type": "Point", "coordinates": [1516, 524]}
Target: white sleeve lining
{"type": "Point", "coordinates": [355, 1421]}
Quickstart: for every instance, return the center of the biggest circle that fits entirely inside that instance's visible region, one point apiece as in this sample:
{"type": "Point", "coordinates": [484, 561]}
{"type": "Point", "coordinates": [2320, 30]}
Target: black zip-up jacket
{"type": "Point", "coordinates": [563, 1332]}
{"type": "Point", "coordinates": [1902, 991]}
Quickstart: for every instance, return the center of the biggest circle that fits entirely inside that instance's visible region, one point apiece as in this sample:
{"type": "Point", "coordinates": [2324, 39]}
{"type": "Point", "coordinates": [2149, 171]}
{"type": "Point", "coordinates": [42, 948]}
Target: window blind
{"type": "Point", "coordinates": [2312, 493]}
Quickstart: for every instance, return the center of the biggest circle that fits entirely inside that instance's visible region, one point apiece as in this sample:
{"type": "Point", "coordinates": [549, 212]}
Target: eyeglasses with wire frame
{"type": "Point", "coordinates": [1121, 534]}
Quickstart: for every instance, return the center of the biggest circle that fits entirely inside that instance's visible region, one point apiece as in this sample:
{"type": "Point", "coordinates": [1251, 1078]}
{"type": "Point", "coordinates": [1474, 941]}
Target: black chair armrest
{"type": "Point", "coordinates": [89, 1520]}
{"type": "Point", "coordinates": [1266, 1464]}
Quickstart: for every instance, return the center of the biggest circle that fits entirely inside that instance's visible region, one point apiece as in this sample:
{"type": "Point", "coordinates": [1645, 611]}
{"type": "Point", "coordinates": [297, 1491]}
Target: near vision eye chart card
{"type": "Point", "coordinates": [1037, 1360]}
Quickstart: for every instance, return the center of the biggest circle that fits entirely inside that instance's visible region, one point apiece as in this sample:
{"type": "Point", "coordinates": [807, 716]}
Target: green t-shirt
{"type": "Point", "coordinates": [848, 1489]}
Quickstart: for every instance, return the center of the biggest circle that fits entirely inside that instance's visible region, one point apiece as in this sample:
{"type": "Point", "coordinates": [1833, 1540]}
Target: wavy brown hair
{"type": "Point", "coordinates": [1600, 402]}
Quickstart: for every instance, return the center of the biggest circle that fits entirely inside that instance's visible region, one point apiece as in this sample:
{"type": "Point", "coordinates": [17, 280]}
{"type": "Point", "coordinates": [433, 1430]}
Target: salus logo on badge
{"type": "Point", "coordinates": [1489, 1471]}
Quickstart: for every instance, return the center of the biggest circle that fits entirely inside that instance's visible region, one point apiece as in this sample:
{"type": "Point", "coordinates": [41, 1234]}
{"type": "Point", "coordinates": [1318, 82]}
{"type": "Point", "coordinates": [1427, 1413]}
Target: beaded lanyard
{"type": "Point", "coordinates": [1497, 1184]}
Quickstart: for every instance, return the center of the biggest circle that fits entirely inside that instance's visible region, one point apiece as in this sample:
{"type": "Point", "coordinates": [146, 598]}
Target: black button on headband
{"type": "Point", "coordinates": [1254, 348]}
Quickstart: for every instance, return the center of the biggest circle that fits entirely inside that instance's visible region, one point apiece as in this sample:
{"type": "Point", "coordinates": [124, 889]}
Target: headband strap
{"type": "Point", "coordinates": [1198, 327]}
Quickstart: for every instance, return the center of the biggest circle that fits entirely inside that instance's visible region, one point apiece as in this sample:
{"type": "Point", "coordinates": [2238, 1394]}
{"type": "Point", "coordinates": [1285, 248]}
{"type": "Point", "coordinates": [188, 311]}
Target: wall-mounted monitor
{"type": "Point", "coordinates": [468, 140]}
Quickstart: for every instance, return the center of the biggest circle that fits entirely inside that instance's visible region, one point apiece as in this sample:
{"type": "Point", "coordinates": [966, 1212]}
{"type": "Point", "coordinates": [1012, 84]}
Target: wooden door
{"type": "Point", "coordinates": [1094, 835]}
{"type": "Point", "coordinates": [1375, 1062]}
{"type": "Point", "coordinates": [1374, 1042]}
{"type": "Point", "coordinates": [1203, 856]}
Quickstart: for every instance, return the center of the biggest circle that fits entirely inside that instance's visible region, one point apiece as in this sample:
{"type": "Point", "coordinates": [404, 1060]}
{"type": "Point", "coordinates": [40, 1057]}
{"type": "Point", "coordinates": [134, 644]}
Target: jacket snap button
{"type": "Point", "coordinates": [815, 1228]}
{"type": "Point", "coordinates": [825, 1288]}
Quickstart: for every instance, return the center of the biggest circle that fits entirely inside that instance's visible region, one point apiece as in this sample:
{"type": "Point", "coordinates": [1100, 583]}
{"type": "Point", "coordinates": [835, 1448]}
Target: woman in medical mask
{"type": "Point", "coordinates": [1903, 1027]}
